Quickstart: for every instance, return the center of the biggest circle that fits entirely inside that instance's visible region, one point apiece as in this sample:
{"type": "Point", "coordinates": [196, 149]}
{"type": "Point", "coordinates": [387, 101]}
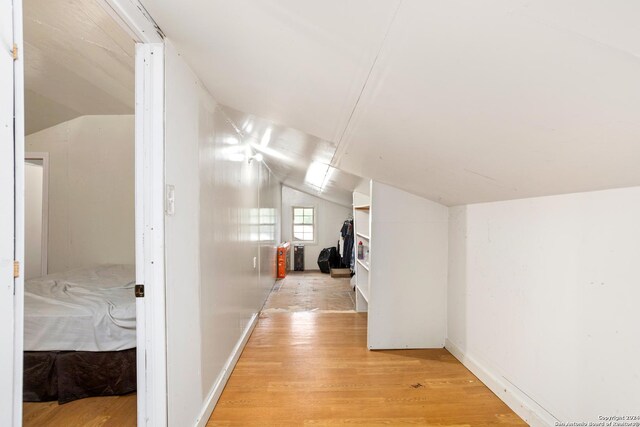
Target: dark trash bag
{"type": "Point", "coordinates": [328, 259]}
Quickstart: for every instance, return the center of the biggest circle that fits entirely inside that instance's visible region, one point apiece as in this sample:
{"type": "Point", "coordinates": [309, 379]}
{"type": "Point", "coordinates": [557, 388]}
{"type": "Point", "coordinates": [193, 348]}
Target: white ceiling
{"type": "Point", "coordinates": [475, 101]}
{"type": "Point", "coordinates": [301, 63]}
{"type": "Point", "coordinates": [457, 101]}
{"type": "Point", "coordinates": [78, 61]}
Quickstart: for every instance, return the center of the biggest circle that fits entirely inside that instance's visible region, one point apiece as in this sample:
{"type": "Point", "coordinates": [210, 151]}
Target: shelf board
{"type": "Point", "coordinates": [364, 295]}
{"type": "Point", "coordinates": [364, 236]}
{"type": "Point", "coordinates": [362, 207]}
{"type": "Point", "coordinates": [365, 266]}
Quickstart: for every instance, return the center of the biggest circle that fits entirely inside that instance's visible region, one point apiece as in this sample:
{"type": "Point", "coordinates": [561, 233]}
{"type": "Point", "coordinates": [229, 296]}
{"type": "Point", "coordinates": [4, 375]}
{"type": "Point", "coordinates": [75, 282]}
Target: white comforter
{"type": "Point", "coordinates": [88, 309]}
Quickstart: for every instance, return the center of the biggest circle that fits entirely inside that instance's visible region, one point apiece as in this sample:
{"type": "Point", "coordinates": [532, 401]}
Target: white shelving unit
{"type": "Point", "coordinates": [402, 283]}
{"type": "Point", "coordinates": [362, 224]}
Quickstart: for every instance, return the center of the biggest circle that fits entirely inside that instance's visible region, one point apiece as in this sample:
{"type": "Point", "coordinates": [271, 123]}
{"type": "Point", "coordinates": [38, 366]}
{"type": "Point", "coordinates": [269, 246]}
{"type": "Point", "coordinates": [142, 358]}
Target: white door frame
{"type": "Point", "coordinates": [12, 9]}
{"type": "Point", "coordinates": [149, 203]}
{"type": "Point", "coordinates": [152, 365]}
{"type": "Point", "coordinates": [149, 136]}
{"type": "Point", "coordinates": [33, 155]}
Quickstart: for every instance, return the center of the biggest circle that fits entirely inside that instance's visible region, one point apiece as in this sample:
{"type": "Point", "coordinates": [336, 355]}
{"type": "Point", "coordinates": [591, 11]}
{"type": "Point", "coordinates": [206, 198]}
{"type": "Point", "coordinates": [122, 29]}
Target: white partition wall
{"type": "Point", "coordinates": [215, 234]}
{"type": "Point", "coordinates": [408, 270]}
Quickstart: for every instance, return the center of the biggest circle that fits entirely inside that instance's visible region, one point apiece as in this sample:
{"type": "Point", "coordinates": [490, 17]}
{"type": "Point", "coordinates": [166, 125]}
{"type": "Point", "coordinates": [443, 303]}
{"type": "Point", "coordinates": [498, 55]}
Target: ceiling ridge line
{"type": "Point", "coordinates": [364, 85]}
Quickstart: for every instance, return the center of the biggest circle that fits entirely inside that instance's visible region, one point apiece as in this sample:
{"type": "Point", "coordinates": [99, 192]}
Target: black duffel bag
{"type": "Point", "coordinates": [328, 259]}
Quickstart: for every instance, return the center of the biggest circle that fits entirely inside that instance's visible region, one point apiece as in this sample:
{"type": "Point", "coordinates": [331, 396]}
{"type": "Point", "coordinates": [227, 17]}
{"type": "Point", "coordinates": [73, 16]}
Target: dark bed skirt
{"type": "Point", "coordinates": [70, 375]}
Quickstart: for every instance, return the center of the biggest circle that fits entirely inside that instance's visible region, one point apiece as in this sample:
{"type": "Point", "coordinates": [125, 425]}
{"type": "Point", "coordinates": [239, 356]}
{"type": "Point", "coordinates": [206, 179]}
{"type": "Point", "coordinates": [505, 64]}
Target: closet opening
{"type": "Point", "coordinates": [36, 177]}
{"type": "Point", "coordinates": [80, 342]}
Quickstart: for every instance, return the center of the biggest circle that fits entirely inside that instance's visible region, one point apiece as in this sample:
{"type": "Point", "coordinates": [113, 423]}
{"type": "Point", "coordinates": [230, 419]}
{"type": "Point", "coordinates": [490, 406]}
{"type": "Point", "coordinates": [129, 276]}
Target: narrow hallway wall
{"type": "Point", "coordinates": [225, 220]}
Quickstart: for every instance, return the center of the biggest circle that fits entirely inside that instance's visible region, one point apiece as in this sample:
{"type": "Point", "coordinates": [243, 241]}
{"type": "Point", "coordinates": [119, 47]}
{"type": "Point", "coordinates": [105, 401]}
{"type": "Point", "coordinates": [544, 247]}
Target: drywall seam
{"type": "Point", "coordinates": [529, 411]}
{"type": "Point", "coordinates": [219, 384]}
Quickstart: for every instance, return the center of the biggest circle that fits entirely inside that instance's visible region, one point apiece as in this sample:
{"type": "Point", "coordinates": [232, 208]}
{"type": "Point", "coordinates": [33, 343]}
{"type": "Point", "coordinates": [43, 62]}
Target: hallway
{"type": "Point", "coordinates": [310, 291]}
{"type": "Point", "coordinates": [305, 367]}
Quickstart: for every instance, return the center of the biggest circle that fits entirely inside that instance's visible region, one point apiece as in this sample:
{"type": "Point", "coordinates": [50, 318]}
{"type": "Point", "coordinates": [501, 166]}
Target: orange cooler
{"type": "Point", "coordinates": [282, 258]}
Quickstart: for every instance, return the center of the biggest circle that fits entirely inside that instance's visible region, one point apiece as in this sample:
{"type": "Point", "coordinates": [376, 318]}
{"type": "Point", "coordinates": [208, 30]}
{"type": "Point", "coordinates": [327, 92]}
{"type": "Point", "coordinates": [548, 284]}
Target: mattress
{"type": "Point", "coordinates": [87, 309]}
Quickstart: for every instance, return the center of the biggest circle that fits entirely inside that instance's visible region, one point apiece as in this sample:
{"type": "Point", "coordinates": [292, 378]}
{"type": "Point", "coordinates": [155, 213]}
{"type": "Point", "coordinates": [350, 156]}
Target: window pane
{"type": "Point", "coordinates": [303, 224]}
{"type": "Point", "coordinates": [298, 233]}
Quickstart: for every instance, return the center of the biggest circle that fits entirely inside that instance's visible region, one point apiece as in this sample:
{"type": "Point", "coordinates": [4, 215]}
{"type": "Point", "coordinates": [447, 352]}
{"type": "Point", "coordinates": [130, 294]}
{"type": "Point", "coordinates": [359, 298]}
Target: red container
{"type": "Point", "coordinates": [282, 258]}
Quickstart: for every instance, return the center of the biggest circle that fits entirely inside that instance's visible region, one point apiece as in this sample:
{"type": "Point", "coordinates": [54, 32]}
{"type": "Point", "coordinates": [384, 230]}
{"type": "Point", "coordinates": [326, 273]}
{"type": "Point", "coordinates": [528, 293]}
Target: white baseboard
{"type": "Point", "coordinates": [532, 413]}
{"type": "Point", "coordinates": [218, 386]}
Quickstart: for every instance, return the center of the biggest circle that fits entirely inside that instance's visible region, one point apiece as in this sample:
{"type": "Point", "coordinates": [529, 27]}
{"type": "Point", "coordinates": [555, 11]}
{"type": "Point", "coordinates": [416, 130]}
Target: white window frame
{"type": "Point", "coordinates": [315, 226]}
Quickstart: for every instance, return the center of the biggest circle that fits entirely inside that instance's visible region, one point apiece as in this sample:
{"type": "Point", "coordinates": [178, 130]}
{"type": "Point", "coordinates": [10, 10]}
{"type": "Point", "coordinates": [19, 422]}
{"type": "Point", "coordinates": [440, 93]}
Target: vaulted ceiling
{"type": "Point", "coordinates": [459, 101]}
{"type": "Point", "coordinates": [78, 61]}
{"type": "Point", "coordinates": [298, 159]}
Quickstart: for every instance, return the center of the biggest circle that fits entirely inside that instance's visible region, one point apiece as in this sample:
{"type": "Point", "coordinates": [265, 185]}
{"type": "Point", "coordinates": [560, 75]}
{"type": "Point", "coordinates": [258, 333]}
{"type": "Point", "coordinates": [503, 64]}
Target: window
{"type": "Point", "coordinates": [304, 223]}
{"type": "Point", "coordinates": [267, 224]}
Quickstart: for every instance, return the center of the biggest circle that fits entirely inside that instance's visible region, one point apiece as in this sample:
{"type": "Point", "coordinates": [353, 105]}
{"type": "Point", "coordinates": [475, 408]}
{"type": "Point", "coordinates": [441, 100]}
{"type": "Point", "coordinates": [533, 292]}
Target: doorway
{"type": "Point", "coordinates": [131, 17]}
{"type": "Point", "coordinates": [36, 188]}
{"type": "Point", "coordinates": [80, 339]}
{"type": "Point", "coordinates": [87, 201]}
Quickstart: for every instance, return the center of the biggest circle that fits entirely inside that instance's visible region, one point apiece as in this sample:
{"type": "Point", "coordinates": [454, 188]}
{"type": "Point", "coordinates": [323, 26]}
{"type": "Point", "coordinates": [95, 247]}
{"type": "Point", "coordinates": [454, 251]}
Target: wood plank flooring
{"type": "Point", "coordinates": [313, 368]}
{"type": "Point", "coordinates": [307, 365]}
{"type": "Point", "coordinates": [111, 411]}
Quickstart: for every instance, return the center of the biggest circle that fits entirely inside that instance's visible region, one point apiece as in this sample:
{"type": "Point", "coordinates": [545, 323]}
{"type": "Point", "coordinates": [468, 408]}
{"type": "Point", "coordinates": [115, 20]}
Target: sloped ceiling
{"type": "Point", "coordinates": [77, 62]}
{"type": "Point", "coordinates": [459, 101]}
{"type": "Point", "coordinates": [289, 153]}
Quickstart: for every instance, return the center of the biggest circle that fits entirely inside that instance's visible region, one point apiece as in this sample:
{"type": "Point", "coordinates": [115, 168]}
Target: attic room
{"type": "Point", "coordinates": [389, 212]}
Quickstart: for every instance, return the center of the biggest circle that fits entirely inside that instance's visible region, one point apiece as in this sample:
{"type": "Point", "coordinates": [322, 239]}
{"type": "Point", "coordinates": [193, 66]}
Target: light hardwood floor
{"type": "Point", "coordinates": [306, 365]}
{"type": "Point", "coordinates": [112, 411]}
{"type": "Point", "coordinates": [313, 368]}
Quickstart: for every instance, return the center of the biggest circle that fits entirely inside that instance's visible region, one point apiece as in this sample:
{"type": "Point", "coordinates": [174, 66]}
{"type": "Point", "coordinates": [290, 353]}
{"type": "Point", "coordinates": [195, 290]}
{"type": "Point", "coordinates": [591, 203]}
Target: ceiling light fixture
{"type": "Point", "coordinates": [257, 157]}
{"type": "Point", "coordinates": [270, 152]}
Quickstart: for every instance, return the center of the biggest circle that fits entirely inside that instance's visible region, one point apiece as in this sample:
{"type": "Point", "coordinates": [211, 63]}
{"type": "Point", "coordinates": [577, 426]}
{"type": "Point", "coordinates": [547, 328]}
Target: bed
{"type": "Point", "coordinates": [80, 334]}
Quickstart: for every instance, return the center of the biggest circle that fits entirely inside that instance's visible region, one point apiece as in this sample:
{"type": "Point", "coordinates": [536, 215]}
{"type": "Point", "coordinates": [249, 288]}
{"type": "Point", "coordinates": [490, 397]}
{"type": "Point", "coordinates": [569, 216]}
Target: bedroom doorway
{"type": "Point", "coordinates": [130, 16]}
{"type": "Point", "coordinates": [80, 320]}
{"type": "Point", "coordinates": [89, 344]}
{"type": "Point", "coordinates": [36, 189]}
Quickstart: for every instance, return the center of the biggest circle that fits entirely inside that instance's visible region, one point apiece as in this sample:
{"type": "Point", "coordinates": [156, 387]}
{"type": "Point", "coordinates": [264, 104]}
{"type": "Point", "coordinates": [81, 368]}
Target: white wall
{"type": "Point", "coordinates": [270, 226]}
{"type": "Point", "coordinates": [330, 217]}
{"type": "Point", "coordinates": [408, 284]}
{"type": "Point", "coordinates": [213, 290]}
{"type": "Point", "coordinates": [91, 190]}
{"type": "Point", "coordinates": [543, 299]}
